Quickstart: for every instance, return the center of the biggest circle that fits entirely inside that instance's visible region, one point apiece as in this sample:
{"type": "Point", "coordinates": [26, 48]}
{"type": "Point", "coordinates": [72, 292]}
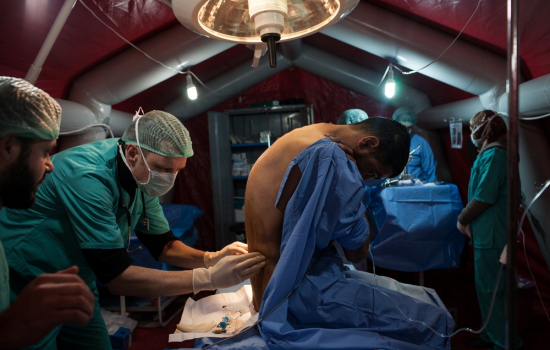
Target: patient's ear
{"type": "Point", "coordinates": [369, 142]}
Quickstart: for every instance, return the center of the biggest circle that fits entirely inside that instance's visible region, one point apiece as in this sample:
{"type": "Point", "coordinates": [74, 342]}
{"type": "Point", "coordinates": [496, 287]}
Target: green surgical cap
{"type": "Point", "coordinates": [161, 133]}
{"type": "Point", "coordinates": [405, 115]}
{"type": "Point", "coordinates": [27, 111]}
{"type": "Point", "coordinates": [352, 116]}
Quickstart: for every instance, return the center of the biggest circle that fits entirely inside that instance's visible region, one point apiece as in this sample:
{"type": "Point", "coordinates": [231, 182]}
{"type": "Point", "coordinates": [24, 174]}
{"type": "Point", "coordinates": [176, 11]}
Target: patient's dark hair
{"type": "Point", "coordinates": [394, 138]}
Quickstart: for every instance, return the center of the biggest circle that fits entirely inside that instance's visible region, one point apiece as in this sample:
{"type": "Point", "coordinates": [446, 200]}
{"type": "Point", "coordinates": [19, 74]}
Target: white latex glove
{"type": "Point", "coordinates": [504, 255]}
{"type": "Point", "coordinates": [235, 248]}
{"type": "Point", "coordinates": [230, 271]}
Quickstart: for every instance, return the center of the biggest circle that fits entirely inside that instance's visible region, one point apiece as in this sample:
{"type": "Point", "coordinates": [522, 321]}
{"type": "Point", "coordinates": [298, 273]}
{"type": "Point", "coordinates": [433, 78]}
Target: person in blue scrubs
{"type": "Point", "coordinates": [85, 211]}
{"type": "Point", "coordinates": [484, 220]}
{"type": "Point", "coordinates": [423, 164]}
{"type": "Point", "coordinates": [29, 127]}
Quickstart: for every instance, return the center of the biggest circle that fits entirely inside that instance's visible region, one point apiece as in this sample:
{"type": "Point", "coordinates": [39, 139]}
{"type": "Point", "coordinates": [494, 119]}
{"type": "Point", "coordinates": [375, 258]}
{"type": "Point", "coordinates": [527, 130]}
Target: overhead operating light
{"type": "Point", "coordinates": [260, 21]}
{"type": "Point", "coordinates": [390, 84]}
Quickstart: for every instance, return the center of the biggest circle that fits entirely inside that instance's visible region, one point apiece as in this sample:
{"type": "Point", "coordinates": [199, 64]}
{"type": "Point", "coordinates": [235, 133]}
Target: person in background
{"type": "Point", "coordinates": [99, 193]}
{"type": "Point", "coordinates": [352, 116]}
{"type": "Point", "coordinates": [484, 220]}
{"type": "Point", "coordinates": [29, 127]}
{"type": "Point", "coordinates": [423, 164]}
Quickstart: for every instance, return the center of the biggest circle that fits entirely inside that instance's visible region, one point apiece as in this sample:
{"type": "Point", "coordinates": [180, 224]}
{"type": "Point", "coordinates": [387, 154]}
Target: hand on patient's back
{"type": "Point", "coordinates": [235, 248]}
{"type": "Point", "coordinates": [348, 150]}
{"type": "Point", "coordinates": [234, 269]}
{"type": "Point", "coordinates": [48, 301]}
{"type": "Point", "coordinates": [229, 271]}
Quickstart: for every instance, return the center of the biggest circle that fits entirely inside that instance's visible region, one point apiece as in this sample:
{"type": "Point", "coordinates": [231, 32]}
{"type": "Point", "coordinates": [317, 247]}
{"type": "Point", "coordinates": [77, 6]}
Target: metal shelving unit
{"type": "Point", "coordinates": [244, 123]}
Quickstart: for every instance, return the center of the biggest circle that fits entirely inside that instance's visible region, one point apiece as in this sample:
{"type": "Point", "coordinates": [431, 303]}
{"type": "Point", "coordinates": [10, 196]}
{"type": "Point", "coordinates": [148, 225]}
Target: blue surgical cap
{"type": "Point", "coordinates": [405, 115]}
{"type": "Point", "coordinates": [352, 116]}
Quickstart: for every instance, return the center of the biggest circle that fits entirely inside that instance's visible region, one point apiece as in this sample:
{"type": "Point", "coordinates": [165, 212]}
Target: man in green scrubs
{"type": "Point", "coordinates": [99, 193]}
{"type": "Point", "coordinates": [484, 220]}
{"type": "Point", "coordinates": [29, 127]}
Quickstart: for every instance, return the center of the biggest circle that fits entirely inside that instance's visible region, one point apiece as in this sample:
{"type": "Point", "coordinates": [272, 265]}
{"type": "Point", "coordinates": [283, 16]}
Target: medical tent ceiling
{"type": "Point", "coordinates": [84, 43]}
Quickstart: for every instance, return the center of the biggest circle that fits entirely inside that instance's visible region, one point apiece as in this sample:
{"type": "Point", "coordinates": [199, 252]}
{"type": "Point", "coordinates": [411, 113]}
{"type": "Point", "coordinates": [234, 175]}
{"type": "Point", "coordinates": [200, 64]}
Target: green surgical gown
{"type": "Point", "coordinates": [489, 184]}
{"type": "Point", "coordinates": [76, 208]}
{"type": "Point", "coordinates": [4, 282]}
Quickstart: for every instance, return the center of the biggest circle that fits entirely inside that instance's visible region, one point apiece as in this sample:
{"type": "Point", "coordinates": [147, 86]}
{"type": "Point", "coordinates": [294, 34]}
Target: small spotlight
{"type": "Point", "coordinates": [191, 88]}
{"type": "Point", "coordinates": [390, 84]}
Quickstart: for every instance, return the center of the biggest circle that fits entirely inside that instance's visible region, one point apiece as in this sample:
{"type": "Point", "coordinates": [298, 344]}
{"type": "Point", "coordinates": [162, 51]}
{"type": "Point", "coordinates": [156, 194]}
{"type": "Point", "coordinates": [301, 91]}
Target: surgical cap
{"type": "Point", "coordinates": [405, 115]}
{"type": "Point", "coordinates": [161, 133]}
{"type": "Point", "coordinates": [27, 111]}
{"type": "Point", "coordinates": [352, 116]}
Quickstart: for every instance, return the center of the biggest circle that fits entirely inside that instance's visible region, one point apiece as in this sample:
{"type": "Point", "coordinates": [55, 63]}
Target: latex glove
{"type": "Point", "coordinates": [345, 148]}
{"type": "Point", "coordinates": [230, 271]}
{"type": "Point", "coordinates": [235, 248]}
{"type": "Point", "coordinates": [504, 255]}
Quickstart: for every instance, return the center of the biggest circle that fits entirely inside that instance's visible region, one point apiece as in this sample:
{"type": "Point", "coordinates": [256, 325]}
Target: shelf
{"type": "Point", "coordinates": [240, 177]}
{"type": "Point", "coordinates": [256, 144]}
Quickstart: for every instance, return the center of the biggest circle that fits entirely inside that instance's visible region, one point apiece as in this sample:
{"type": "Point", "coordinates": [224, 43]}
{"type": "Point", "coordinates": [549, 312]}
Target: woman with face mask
{"type": "Point", "coordinates": [85, 211]}
{"type": "Point", "coordinates": [484, 220]}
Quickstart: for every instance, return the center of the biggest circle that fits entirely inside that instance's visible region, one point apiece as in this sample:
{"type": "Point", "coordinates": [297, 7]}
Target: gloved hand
{"type": "Point", "coordinates": [231, 270]}
{"type": "Point", "coordinates": [235, 248]}
{"type": "Point", "coordinates": [504, 255]}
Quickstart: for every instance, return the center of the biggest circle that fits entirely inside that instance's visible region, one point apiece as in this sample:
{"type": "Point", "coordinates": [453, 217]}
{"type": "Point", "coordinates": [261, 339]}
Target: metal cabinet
{"type": "Point", "coordinates": [237, 132]}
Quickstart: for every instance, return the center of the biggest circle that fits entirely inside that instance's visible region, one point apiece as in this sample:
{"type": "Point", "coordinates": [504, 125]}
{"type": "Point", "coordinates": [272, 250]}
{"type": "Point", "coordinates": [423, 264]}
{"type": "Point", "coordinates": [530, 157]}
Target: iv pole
{"type": "Point", "coordinates": [513, 174]}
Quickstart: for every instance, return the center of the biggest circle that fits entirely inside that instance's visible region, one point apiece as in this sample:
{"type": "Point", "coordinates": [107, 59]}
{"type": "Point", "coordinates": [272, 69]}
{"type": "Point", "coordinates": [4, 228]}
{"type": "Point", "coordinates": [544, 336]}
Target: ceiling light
{"type": "Point", "coordinates": [191, 88]}
{"type": "Point", "coordinates": [390, 84]}
{"type": "Point", "coordinates": [258, 21]}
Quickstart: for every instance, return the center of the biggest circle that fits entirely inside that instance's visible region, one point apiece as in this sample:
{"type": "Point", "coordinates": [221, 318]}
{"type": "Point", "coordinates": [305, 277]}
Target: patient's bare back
{"type": "Point", "coordinates": [264, 221]}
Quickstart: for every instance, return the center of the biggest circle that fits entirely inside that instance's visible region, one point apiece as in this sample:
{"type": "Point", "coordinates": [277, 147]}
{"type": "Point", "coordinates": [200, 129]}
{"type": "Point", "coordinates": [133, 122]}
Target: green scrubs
{"type": "Point", "coordinates": [488, 184]}
{"type": "Point", "coordinates": [76, 208]}
{"type": "Point", "coordinates": [4, 282]}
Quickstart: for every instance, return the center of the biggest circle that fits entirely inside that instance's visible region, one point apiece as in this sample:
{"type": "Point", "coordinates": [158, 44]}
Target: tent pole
{"type": "Point", "coordinates": [60, 20]}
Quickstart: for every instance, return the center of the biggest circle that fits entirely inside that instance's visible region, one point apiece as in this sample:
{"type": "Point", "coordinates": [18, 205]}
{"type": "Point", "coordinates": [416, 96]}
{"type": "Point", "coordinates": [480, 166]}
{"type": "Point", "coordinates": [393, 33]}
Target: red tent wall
{"type": "Point", "coordinates": [194, 183]}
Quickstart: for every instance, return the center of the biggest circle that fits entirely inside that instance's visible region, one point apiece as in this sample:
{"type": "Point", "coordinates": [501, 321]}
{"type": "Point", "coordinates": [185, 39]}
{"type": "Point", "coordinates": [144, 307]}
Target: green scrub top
{"type": "Point", "coordinates": [4, 281]}
{"type": "Point", "coordinates": [76, 208]}
{"type": "Point", "coordinates": [488, 184]}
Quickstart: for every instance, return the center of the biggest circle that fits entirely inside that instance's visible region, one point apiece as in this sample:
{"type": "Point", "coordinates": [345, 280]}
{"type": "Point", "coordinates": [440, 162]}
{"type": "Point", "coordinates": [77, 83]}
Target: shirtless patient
{"type": "Point", "coordinates": [380, 149]}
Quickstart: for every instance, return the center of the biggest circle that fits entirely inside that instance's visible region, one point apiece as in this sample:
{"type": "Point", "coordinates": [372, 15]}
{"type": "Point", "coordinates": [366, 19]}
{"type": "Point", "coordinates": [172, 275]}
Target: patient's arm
{"type": "Point", "coordinates": [358, 255]}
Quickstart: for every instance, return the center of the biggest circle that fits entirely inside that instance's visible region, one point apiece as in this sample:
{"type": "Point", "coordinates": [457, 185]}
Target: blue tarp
{"type": "Point", "coordinates": [416, 227]}
{"type": "Point", "coordinates": [181, 218]}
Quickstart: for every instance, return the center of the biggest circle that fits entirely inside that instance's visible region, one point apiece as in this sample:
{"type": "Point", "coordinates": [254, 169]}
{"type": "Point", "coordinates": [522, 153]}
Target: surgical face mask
{"type": "Point", "coordinates": [476, 142]}
{"type": "Point", "coordinates": [158, 183]}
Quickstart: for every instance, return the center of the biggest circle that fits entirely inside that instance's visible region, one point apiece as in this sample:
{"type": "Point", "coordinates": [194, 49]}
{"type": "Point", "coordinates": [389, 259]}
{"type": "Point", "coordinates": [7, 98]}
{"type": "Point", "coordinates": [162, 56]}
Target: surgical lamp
{"type": "Point", "coordinates": [260, 23]}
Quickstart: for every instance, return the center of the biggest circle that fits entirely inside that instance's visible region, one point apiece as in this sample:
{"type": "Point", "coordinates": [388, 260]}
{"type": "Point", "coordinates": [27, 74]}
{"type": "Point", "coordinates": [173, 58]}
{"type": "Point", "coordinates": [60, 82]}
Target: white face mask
{"type": "Point", "coordinates": [158, 183]}
{"type": "Point", "coordinates": [476, 142]}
